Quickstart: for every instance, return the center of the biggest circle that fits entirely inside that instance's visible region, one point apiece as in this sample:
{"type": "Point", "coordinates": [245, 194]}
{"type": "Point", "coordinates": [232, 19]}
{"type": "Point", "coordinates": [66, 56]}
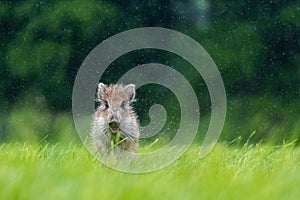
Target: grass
{"type": "Point", "coordinates": [31, 171]}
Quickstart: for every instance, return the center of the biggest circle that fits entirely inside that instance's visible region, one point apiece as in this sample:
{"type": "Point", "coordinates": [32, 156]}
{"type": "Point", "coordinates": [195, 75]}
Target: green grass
{"type": "Point", "coordinates": [29, 171]}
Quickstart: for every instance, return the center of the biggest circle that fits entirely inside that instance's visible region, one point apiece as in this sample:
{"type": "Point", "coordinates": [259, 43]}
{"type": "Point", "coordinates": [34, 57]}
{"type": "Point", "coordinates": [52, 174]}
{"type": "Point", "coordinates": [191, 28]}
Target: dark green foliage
{"type": "Point", "coordinates": [256, 46]}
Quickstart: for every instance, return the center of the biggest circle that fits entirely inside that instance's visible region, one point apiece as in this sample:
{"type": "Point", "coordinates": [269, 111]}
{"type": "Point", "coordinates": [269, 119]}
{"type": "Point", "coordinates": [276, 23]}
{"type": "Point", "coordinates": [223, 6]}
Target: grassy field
{"type": "Point", "coordinates": [29, 171]}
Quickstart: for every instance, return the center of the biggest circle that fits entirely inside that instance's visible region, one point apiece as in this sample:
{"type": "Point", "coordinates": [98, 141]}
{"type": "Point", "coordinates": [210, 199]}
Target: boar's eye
{"type": "Point", "coordinates": [122, 105]}
{"type": "Point", "coordinates": [104, 105]}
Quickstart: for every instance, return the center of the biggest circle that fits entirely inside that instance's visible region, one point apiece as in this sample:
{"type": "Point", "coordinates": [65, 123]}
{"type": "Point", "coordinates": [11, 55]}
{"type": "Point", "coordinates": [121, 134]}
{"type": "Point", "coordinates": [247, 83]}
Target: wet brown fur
{"type": "Point", "coordinates": [115, 101]}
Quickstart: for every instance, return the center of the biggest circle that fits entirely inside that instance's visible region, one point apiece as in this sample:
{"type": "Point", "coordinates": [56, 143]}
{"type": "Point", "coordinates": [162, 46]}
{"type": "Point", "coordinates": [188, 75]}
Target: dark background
{"type": "Point", "coordinates": [255, 44]}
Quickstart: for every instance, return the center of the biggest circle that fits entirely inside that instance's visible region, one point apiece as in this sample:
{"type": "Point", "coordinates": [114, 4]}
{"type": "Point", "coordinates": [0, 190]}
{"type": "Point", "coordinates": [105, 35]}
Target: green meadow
{"type": "Point", "coordinates": [44, 171]}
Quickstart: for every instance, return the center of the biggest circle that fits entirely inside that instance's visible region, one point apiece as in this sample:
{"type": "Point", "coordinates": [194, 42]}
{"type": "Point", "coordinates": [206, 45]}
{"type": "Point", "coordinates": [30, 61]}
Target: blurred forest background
{"type": "Point", "coordinates": [255, 44]}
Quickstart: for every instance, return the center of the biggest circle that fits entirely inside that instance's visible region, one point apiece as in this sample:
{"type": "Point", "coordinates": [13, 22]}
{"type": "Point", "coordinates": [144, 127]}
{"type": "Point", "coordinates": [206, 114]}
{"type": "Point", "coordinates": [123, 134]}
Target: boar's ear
{"type": "Point", "coordinates": [100, 91]}
{"type": "Point", "coordinates": [130, 91]}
